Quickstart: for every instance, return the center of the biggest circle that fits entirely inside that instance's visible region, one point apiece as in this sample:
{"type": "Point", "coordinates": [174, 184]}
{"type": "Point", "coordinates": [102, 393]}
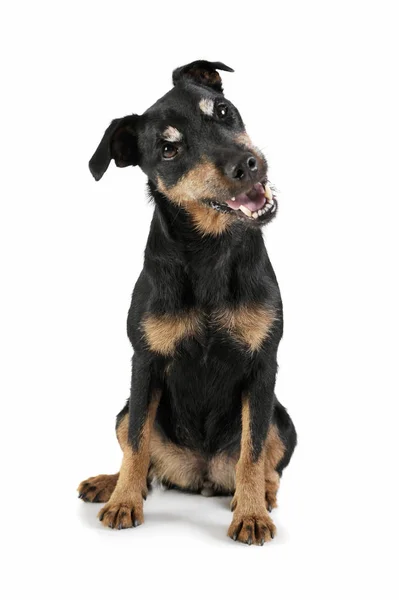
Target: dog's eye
{"type": "Point", "coordinates": [222, 110]}
{"type": "Point", "coordinates": [169, 151]}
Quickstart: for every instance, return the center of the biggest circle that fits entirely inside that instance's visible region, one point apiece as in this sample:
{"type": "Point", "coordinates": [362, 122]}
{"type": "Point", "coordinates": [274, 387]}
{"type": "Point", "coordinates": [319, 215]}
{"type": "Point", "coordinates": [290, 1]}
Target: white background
{"type": "Point", "coordinates": [316, 83]}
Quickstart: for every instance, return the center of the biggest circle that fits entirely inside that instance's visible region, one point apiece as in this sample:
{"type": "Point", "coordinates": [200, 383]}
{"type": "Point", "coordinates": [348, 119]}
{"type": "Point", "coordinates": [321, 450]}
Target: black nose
{"type": "Point", "coordinates": [244, 168]}
{"type": "Point", "coordinates": [252, 164]}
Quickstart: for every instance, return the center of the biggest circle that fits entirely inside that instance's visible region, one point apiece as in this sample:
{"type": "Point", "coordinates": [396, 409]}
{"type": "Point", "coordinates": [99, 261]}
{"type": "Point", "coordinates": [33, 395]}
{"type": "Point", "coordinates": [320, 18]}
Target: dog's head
{"type": "Point", "coordinates": [193, 147]}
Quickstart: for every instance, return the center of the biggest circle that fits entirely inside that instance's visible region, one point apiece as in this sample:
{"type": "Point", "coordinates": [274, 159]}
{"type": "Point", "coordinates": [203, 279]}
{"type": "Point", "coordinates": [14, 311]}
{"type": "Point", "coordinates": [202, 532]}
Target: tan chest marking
{"type": "Point", "coordinates": [164, 332]}
{"type": "Point", "coordinates": [249, 325]}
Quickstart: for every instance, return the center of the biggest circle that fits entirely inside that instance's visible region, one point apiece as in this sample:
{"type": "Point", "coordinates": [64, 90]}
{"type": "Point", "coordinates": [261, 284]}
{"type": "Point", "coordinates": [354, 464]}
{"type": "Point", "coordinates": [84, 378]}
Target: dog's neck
{"type": "Point", "coordinates": [177, 226]}
{"type": "Point", "coordinates": [230, 266]}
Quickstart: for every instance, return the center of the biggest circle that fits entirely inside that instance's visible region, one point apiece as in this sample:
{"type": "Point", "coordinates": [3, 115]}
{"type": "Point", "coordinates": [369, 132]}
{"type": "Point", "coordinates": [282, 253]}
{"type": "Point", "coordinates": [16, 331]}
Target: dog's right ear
{"type": "Point", "coordinates": [202, 72]}
{"type": "Point", "coordinates": [119, 142]}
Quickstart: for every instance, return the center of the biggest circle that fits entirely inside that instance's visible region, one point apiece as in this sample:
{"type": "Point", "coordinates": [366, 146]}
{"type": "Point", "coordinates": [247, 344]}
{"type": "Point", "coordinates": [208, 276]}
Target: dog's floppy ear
{"type": "Point", "coordinates": [119, 142]}
{"type": "Point", "coordinates": [203, 73]}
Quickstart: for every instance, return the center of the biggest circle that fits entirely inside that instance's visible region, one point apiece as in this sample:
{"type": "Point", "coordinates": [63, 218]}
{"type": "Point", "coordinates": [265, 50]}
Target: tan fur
{"type": "Point", "coordinates": [250, 474]}
{"type": "Point", "coordinates": [122, 431]}
{"type": "Point", "coordinates": [222, 473]}
{"type": "Point", "coordinates": [125, 507]}
{"type": "Point", "coordinates": [136, 462]}
{"type": "Point", "coordinates": [243, 139]}
{"type": "Point", "coordinates": [251, 523]}
{"type": "Point", "coordinates": [222, 467]}
{"type": "Point", "coordinates": [164, 332]}
{"type": "Point", "coordinates": [274, 452]}
{"type": "Point", "coordinates": [207, 220]}
{"type": "Point", "coordinates": [188, 469]}
{"type": "Point", "coordinates": [202, 181]}
{"type": "Point", "coordinates": [274, 448]}
{"type": "Point", "coordinates": [248, 325]}
{"type": "Point", "coordinates": [98, 489]}
{"type": "Point", "coordinates": [176, 465]}
{"type": "Point", "coordinates": [252, 481]}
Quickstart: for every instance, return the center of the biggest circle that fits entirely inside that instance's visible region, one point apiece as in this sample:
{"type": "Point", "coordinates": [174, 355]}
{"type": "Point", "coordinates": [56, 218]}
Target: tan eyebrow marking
{"type": "Point", "coordinates": [171, 134]}
{"type": "Point", "coordinates": [206, 105]}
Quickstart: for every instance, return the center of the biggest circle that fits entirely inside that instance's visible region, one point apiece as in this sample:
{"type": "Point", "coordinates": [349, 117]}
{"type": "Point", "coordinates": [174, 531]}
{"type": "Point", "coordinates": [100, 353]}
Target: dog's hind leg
{"type": "Point", "coordinates": [274, 452]}
{"type": "Point", "coordinates": [280, 444]}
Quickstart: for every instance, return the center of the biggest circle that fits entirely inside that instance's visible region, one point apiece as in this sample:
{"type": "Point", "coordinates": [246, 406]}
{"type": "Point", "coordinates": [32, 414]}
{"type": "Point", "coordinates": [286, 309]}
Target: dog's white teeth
{"type": "Point", "coordinates": [245, 210]}
{"type": "Point", "coordinates": [268, 193]}
{"type": "Point", "coordinates": [258, 213]}
{"type": "Point", "coordinates": [233, 199]}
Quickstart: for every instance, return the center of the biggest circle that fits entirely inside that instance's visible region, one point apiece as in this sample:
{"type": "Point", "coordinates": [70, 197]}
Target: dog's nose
{"type": "Point", "coordinates": [243, 169]}
{"type": "Point", "coordinates": [252, 164]}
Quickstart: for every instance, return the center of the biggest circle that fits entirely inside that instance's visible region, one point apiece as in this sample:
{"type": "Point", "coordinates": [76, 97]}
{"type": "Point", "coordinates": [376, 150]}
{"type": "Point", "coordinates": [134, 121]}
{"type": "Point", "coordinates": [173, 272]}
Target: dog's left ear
{"type": "Point", "coordinates": [202, 72]}
{"type": "Point", "coordinates": [119, 142]}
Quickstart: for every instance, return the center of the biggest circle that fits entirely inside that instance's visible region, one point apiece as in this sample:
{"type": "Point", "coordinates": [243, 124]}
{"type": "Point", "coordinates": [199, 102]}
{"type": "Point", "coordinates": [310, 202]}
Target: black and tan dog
{"type": "Point", "coordinates": [206, 315]}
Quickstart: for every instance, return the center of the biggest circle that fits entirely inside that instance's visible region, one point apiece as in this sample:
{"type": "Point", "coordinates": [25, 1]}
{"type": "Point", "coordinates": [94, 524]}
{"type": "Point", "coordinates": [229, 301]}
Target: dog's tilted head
{"type": "Point", "coordinates": [193, 147]}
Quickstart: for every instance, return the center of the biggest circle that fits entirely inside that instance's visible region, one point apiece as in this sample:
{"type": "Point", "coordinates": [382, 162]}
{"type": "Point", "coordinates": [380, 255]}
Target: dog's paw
{"type": "Point", "coordinates": [122, 514]}
{"type": "Point", "coordinates": [252, 529]}
{"type": "Point", "coordinates": [97, 489]}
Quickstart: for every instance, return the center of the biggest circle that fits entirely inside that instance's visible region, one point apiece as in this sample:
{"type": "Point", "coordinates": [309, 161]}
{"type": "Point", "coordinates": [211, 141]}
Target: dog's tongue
{"type": "Point", "coordinates": [253, 200]}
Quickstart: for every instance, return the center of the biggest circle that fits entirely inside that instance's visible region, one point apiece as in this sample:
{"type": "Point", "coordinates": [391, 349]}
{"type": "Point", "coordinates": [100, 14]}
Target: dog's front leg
{"type": "Point", "coordinates": [251, 522]}
{"type": "Point", "coordinates": [125, 507]}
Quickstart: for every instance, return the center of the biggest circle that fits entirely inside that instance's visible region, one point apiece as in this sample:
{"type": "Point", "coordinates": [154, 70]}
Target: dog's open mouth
{"type": "Point", "coordinates": [257, 203]}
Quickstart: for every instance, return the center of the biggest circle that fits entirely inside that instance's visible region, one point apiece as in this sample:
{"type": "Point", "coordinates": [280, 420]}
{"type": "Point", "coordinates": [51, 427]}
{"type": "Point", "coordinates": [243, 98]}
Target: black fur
{"type": "Point", "coordinates": [203, 383]}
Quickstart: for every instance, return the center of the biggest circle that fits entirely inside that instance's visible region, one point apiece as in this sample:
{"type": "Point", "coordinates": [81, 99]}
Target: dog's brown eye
{"type": "Point", "coordinates": [222, 110]}
{"type": "Point", "coordinates": [169, 151]}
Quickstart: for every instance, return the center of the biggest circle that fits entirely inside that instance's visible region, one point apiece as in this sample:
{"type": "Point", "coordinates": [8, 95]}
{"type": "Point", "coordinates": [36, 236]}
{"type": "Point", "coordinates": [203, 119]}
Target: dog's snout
{"type": "Point", "coordinates": [243, 169]}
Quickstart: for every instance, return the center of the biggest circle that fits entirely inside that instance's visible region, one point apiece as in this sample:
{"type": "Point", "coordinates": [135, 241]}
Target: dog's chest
{"type": "Point", "coordinates": [246, 326]}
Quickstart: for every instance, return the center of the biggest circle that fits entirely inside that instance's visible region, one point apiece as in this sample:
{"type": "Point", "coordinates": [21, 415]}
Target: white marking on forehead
{"type": "Point", "coordinates": [171, 134]}
{"type": "Point", "coordinates": [206, 105]}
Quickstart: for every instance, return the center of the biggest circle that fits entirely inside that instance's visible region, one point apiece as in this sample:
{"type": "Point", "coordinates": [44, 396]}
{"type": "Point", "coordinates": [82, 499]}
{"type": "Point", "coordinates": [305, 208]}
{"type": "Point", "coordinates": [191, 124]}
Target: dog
{"type": "Point", "coordinates": [206, 316]}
